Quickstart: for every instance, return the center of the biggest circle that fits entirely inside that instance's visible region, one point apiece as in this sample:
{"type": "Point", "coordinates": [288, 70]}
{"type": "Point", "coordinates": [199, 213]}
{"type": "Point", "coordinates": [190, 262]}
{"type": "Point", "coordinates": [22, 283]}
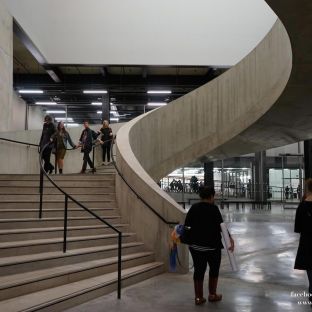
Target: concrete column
{"type": "Point", "coordinates": [308, 159]}
{"type": "Point", "coordinates": [105, 107]}
{"type": "Point", "coordinates": [260, 176]}
{"type": "Point", "coordinates": [6, 67]}
{"type": "Point", "coordinates": [208, 174]}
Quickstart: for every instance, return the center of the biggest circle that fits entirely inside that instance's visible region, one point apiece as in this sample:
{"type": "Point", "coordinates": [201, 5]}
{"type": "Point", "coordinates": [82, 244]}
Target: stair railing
{"type": "Point", "coordinates": [170, 223]}
{"type": "Point", "coordinates": [69, 197]}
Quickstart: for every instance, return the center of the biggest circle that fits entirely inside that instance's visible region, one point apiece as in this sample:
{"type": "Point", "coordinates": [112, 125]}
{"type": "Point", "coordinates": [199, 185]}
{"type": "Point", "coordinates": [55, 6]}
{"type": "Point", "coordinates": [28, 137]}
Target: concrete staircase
{"type": "Point", "coordinates": [34, 272]}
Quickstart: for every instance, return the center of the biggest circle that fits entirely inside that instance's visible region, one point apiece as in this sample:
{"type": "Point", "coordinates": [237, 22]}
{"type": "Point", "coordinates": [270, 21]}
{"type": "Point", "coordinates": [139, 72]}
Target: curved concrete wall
{"type": "Point", "coordinates": [156, 143]}
{"type": "Point", "coordinates": [289, 119]}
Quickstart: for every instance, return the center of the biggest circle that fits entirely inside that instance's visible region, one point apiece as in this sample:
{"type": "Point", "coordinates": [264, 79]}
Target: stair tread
{"type": "Point", "coordinates": [37, 275]}
{"type": "Point", "coordinates": [56, 228]}
{"type": "Point", "coordinates": [45, 241]}
{"type": "Point", "coordinates": [50, 209]}
{"type": "Point", "coordinates": [50, 296]}
{"type": "Point", "coordinates": [5, 261]}
{"type": "Point", "coordinates": [56, 219]}
{"type": "Point", "coordinates": [54, 200]}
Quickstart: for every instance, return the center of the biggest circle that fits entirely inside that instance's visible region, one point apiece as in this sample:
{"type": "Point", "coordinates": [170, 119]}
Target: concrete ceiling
{"type": "Point", "coordinates": [140, 32]}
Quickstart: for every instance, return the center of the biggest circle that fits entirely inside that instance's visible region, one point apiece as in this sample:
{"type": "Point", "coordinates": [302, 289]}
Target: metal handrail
{"type": "Point", "coordinates": [67, 196]}
{"type": "Point", "coordinates": [134, 191]}
{"type": "Point", "coordinates": [19, 142]}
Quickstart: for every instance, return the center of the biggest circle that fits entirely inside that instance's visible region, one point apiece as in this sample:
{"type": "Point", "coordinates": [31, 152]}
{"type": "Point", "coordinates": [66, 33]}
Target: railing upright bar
{"type": "Point", "coordinates": [119, 265]}
{"type": "Point", "coordinates": [65, 224]}
{"type": "Point", "coordinates": [93, 156]}
{"type": "Point", "coordinates": [41, 193]}
{"type": "Point", "coordinates": [55, 161]}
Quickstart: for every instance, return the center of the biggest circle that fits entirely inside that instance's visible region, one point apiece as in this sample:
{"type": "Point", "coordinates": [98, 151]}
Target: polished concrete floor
{"type": "Point", "coordinates": [266, 281]}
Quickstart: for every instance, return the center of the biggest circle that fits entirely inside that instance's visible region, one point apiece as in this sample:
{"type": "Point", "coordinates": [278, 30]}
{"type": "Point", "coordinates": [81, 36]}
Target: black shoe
{"type": "Point", "coordinates": [93, 170]}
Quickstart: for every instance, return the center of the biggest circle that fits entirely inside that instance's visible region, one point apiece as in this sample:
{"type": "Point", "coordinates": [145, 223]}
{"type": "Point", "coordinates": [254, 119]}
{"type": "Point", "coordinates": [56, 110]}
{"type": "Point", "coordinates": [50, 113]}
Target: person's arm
{"type": "Point", "coordinates": [53, 137]}
{"type": "Point", "coordinates": [298, 219]}
{"type": "Point", "coordinates": [94, 135]}
{"type": "Point", "coordinates": [70, 141]}
{"type": "Point", "coordinates": [189, 218]}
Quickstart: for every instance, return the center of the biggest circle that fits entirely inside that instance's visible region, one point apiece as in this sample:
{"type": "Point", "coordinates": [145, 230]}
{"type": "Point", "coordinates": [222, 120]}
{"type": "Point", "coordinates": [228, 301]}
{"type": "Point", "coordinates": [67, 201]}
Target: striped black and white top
{"type": "Point", "coordinates": [201, 248]}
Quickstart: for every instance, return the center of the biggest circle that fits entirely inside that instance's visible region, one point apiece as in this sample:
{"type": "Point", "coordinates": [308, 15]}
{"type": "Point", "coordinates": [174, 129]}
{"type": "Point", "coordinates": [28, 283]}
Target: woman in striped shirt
{"type": "Point", "coordinates": [204, 219]}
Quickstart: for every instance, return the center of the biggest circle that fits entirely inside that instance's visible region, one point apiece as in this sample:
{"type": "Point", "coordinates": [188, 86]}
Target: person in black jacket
{"type": "Point", "coordinates": [86, 143]}
{"type": "Point", "coordinates": [107, 137]}
{"type": "Point", "coordinates": [47, 131]}
{"type": "Point", "coordinates": [203, 220]}
{"type": "Point", "coordinates": [303, 225]}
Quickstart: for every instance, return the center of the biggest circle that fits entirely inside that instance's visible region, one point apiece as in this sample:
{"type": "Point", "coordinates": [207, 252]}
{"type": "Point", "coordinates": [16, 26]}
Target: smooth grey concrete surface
{"type": "Point", "coordinates": [288, 120]}
{"type": "Point", "coordinates": [12, 108]}
{"type": "Point", "coordinates": [265, 251]}
{"type": "Point", "coordinates": [154, 144]}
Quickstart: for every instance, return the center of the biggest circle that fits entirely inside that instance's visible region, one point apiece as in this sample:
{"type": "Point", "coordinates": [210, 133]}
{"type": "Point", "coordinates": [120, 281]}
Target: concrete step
{"type": "Point", "coordinates": [24, 283]}
{"type": "Point", "coordinates": [9, 235]}
{"type": "Point", "coordinates": [57, 197]}
{"type": "Point", "coordinates": [50, 222]}
{"type": "Point", "coordinates": [56, 212]}
{"type": "Point", "coordinates": [51, 204]}
{"type": "Point", "coordinates": [29, 190]}
{"type": "Point", "coordinates": [18, 248]}
{"type": "Point", "coordinates": [58, 177]}
{"type": "Point", "coordinates": [65, 183]}
{"type": "Point", "coordinates": [71, 294]}
{"type": "Point", "coordinates": [26, 263]}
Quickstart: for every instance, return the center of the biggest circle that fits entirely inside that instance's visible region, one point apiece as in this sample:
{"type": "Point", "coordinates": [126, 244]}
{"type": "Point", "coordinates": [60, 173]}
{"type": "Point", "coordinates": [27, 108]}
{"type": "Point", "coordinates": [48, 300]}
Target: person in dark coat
{"type": "Point", "coordinates": [47, 131]}
{"type": "Point", "coordinates": [107, 138]}
{"type": "Point", "coordinates": [303, 226]}
{"type": "Point", "coordinates": [86, 143]}
{"type": "Point", "coordinates": [203, 220]}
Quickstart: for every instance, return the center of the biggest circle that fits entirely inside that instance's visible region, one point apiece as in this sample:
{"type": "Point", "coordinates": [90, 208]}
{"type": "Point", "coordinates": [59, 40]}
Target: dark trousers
{"type": "Point", "coordinates": [200, 260]}
{"type": "Point", "coordinates": [309, 272]}
{"type": "Point", "coordinates": [87, 159]}
{"type": "Point", "coordinates": [106, 150]}
{"type": "Point", "coordinates": [46, 155]}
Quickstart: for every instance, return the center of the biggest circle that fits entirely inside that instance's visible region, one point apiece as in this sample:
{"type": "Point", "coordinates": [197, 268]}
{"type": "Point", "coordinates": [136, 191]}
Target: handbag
{"type": "Point", "coordinates": [183, 233]}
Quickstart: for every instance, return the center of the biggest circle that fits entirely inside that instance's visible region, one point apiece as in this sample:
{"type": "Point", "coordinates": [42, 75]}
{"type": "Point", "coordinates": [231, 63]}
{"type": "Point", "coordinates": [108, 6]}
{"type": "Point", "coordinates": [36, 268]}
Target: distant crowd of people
{"type": "Point", "coordinates": [56, 139]}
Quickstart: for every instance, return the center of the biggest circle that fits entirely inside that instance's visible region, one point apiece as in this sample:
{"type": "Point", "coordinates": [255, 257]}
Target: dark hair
{"type": "Point", "coordinates": [206, 192]}
{"type": "Point", "coordinates": [61, 129]}
{"type": "Point", "coordinates": [48, 118]}
{"type": "Point", "coordinates": [308, 184]}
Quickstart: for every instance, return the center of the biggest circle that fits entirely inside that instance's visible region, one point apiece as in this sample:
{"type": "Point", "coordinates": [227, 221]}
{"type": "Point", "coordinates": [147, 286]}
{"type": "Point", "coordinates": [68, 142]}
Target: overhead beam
{"type": "Point", "coordinates": [52, 71]}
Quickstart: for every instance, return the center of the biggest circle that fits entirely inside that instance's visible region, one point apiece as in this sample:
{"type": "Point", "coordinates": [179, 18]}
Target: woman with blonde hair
{"type": "Point", "coordinates": [106, 138]}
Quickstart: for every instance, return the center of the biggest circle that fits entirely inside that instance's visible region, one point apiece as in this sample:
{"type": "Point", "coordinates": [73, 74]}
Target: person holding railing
{"type": "Point", "coordinates": [61, 137]}
{"type": "Point", "coordinates": [47, 131]}
{"type": "Point", "coordinates": [86, 141]}
{"type": "Point", "coordinates": [107, 137]}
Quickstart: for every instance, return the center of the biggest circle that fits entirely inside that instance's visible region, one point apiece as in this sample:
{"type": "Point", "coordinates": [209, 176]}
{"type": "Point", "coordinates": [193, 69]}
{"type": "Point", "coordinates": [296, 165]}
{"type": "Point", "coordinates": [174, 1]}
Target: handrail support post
{"type": "Point", "coordinates": [119, 265]}
{"type": "Point", "coordinates": [65, 224]}
{"type": "Point", "coordinates": [41, 193]}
